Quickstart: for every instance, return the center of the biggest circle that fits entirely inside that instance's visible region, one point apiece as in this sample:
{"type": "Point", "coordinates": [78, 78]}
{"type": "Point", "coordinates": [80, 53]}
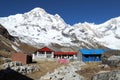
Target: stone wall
{"type": "Point", "coordinates": [19, 67]}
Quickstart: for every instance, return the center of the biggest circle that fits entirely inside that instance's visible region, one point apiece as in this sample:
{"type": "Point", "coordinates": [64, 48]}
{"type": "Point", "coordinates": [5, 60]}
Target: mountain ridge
{"type": "Point", "coordinates": [39, 28]}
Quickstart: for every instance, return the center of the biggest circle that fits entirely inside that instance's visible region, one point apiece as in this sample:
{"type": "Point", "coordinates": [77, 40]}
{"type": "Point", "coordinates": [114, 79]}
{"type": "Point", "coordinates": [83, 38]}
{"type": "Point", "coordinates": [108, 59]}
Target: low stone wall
{"type": "Point", "coordinates": [19, 67]}
{"type": "Point", "coordinates": [113, 75]}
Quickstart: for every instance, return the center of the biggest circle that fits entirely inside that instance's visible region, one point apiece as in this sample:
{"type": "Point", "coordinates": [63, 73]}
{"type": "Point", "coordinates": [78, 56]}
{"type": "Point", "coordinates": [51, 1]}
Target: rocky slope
{"type": "Point", "coordinates": [5, 40]}
{"type": "Point", "coordinates": [10, 43]}
{"type": "Point", "coordinates": [5, 33]}
{"type": "Point", "coordinates": [39, 28]}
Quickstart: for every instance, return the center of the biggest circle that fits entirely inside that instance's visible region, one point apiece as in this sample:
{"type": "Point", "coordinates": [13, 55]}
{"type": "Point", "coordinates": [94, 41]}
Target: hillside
{"type": "Point", "coordinates": [10, 44]}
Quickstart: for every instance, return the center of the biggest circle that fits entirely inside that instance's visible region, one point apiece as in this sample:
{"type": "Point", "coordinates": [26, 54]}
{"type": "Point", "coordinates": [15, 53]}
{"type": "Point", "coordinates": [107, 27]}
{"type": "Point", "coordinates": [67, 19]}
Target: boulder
{"type": "Point", "coordinates": [11, 64]}
{"type": "Point", "coordinates": [111, 58]}
{"type": "Point", "coordinates": [112, 61]}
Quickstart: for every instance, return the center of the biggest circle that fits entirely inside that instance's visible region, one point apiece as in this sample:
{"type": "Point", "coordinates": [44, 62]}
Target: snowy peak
{"type": "Point", "coordinates": [36, 25]}
{"type": "Point", "coordinates": [35, 18]}
{"type": "Point", "coordinates": [38, 10]}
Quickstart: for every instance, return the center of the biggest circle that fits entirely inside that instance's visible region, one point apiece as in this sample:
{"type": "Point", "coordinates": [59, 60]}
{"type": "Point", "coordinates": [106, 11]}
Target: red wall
{"type": "Point", "coordinates": [21, 57]}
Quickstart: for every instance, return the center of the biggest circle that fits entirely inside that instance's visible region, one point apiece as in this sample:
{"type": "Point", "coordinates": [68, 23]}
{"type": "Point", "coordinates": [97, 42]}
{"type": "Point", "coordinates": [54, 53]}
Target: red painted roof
{"type": "Point", "coordinates": [65, 53]}
{"type": "Point", "coordinates": [45, 49]}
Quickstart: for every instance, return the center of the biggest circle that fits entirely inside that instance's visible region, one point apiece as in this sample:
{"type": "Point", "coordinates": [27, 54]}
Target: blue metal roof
{"type": "Point", "coordinates": [92, 51]}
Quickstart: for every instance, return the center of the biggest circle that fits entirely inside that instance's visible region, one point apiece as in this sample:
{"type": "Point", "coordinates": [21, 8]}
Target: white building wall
{"type": "Point", "coordinates": [39, 55]}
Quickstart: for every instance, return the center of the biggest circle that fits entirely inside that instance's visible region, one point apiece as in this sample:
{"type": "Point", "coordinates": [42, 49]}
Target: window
{"type": "Point", "coordinates": [48, 52]}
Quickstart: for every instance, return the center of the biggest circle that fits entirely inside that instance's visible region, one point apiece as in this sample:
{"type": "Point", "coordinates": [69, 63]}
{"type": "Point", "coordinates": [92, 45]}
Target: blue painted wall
{"type": "Point", "coordinates": [91, 54]}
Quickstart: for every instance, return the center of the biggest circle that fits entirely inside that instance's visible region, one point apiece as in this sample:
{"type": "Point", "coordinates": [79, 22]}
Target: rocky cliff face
{"type": "Point", "coordinates": [4, 33]}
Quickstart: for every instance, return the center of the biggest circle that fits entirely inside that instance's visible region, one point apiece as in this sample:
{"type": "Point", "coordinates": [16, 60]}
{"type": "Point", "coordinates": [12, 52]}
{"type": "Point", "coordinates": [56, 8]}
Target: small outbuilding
{"type": "Point", "coordinates": [91, 54]}
{"type": "Point", "coordinates": [22, 57]}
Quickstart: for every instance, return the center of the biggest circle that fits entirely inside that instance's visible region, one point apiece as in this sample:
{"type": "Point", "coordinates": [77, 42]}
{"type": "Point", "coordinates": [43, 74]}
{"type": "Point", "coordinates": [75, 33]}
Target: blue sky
{"type": "Point", "coordinates": [72, 11]}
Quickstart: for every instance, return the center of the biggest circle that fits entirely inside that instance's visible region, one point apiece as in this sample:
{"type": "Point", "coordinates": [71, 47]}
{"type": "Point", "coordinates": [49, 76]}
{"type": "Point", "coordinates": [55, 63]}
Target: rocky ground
{"type": "Point", "coordinates": [52, 70]}
{"type": "Point", "coordinates": [65, 72]}
{"type": "Point", "coordinates": [98, 71]}
{"type": "Point", "coordinates": [27, 72]}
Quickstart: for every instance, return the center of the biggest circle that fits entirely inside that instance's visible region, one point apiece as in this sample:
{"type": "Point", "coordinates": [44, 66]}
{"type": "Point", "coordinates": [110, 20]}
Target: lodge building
{"type": "Point", "coordinates": [46, 52]}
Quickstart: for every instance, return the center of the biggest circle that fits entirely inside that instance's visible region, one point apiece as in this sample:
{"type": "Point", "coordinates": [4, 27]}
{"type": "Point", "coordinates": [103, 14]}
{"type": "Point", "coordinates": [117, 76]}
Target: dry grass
{"type": "Point", "coordinates": [91, 65]}
{"type": "Point", "coordinates": [1, 61]}
{"type": "Point", "coordinates": [4, 54]}
{"type": "Point", "coordinates": [27, 48]}
{"type": "Point", "coordinates": [92, 68]}
{"type": "Point", "coordinates": [45, 66]}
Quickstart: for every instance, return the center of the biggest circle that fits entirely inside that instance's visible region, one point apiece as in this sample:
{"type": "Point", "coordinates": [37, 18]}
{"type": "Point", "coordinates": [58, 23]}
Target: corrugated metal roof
{"type": "Point", "coordinates": [92, 51]}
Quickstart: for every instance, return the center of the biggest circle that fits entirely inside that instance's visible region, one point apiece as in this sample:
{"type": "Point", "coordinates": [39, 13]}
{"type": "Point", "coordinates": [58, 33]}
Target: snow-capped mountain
{"type": "Point", "coordinates": [36, 26]}
{"type": "Point", "coordinates": [39, 28]}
